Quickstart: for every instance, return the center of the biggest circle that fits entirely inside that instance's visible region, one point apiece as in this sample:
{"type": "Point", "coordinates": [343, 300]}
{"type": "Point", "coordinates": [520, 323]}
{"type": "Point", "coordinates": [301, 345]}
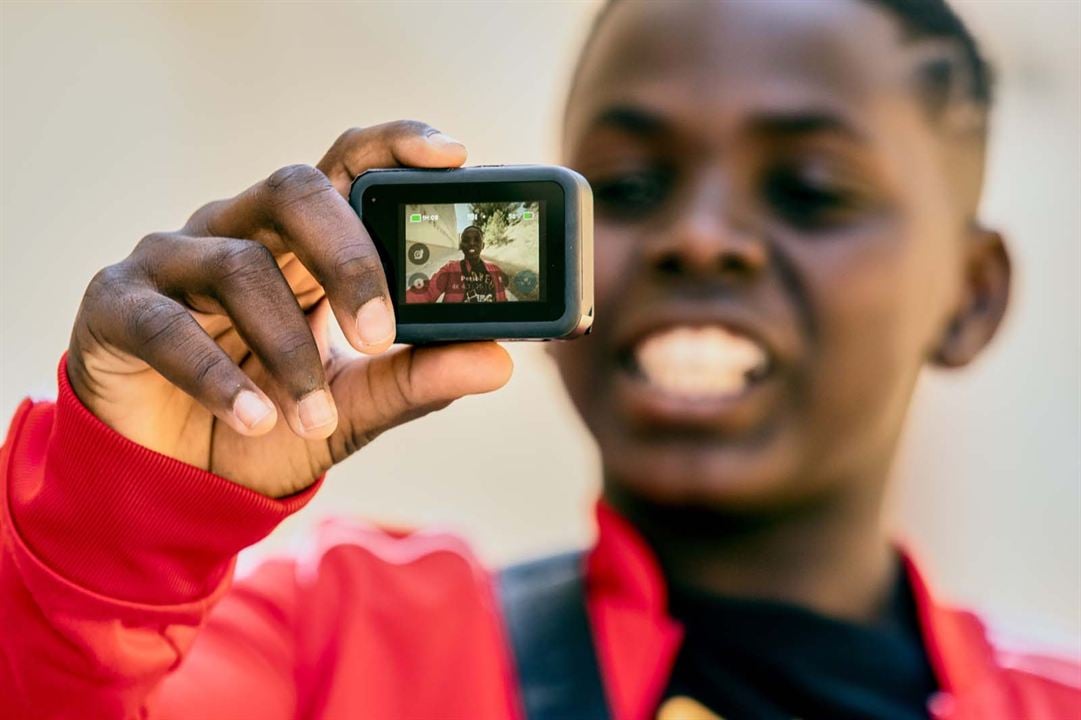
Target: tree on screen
{"type": "Point", "coordinates": [496, 219]}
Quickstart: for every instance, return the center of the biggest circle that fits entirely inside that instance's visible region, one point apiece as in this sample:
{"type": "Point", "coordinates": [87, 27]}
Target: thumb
{"type": "Point", "coordinates": [405, 143]}
{"type": "Point", "coordinates": [374, 394]}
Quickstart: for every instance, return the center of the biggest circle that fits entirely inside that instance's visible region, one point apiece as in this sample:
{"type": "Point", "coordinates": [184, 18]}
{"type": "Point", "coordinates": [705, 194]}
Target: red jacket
{"type": "Point", "coordinates": [117, 600]}
{"type": "Point", "coordinates": [449, 279]}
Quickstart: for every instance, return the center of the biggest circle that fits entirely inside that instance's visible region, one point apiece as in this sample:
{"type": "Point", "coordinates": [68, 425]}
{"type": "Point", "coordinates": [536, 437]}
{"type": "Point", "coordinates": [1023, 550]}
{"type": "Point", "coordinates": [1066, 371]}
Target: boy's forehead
{"type": "Point", "coordinates": [716, 61]}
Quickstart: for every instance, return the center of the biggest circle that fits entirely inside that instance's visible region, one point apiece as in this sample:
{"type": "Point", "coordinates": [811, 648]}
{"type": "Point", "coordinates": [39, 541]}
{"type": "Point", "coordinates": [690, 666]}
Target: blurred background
{"type": "Point", "coordinates": [117, 119]}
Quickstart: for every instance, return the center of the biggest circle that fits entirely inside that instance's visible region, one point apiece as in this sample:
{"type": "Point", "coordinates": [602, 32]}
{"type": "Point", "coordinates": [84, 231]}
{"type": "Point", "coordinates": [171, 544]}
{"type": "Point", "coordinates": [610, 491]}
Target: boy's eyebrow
{"type": "Point", "coordinates": [635, 121]}
{"type": "Point", "coordinates": [803, 123]}
{"type": "Point", "coordinates": [638, 121]}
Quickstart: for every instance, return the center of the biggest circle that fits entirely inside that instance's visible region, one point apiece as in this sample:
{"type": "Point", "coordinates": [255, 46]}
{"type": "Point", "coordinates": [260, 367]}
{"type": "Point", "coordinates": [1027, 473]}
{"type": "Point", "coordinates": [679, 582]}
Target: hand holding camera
{"type": "Point", "coordinates": [195, 344]}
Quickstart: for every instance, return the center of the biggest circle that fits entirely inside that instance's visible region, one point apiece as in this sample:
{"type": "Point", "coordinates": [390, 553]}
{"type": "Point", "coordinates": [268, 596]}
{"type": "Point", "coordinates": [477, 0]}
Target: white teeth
{"type": "Point", "coordinates": [706, 361]}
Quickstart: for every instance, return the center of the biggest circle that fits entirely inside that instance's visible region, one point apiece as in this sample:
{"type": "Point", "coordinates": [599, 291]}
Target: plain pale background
{"type": "Point", "coordinates": [120, 119]}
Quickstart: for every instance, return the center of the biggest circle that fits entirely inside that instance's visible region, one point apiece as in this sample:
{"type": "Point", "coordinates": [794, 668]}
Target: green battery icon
{"type": "Point", "coordinates": [527, 215]}
{"type": "Point", "coordinates": [415, 217]}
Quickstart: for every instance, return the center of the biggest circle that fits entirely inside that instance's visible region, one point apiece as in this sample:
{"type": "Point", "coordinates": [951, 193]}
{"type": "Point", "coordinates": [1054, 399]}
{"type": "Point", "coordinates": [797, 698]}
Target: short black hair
{"type": "Point", "coordinates": [936, 20]}
{"type": "Point", "coordinates": [920, 20]}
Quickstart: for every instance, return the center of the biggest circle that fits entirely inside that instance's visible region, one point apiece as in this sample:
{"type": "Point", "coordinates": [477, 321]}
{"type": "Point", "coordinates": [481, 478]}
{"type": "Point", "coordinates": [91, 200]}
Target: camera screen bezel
{"type": "Point", "coordinates": [384, 217]}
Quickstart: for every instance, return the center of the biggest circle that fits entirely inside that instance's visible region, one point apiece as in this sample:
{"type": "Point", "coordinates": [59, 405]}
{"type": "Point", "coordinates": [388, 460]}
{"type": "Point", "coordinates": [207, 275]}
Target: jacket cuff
{"type": "Point", "coordinates": [124, 521]}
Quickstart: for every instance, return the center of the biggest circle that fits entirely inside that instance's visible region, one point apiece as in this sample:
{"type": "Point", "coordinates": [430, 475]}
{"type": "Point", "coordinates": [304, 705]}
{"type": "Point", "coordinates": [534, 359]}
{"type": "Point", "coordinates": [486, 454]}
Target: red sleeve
{"type": "Point", "coordinates": [438, 285]}
{"type": "Point", "coordinates": [111, 558]}
{"type": "Point", "coordinates": [431, 292]}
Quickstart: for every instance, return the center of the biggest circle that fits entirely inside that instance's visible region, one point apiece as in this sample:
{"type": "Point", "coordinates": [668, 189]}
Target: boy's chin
{"type": "Point", "coordinates": [705, 476]}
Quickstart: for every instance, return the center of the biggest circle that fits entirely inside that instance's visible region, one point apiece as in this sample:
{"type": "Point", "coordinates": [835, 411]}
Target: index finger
{"type": "Point", "coordinates": [296, 210]}
{"type": "Point", "coordinates": [404, 143]}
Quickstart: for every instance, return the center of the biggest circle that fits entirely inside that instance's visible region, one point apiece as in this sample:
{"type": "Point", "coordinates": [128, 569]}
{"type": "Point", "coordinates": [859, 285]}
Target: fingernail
{"type": "Point", "coordinates": [442, 140]}
{"type": "Point", "coordinates": [375, 322]}
{"type": "Point", "coordinates": [251, 409]}
{"type": "Point", "coordinates": [316, 410]}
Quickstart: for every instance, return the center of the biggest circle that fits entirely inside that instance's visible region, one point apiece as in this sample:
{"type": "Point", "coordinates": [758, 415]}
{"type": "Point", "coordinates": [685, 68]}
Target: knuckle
{"type": "Point", "coordinates": [409, 128]}
{"type": "Point", "coordinates": [106, 285]}
{"type": "Point", "coordinates": [149, 252]}
{"type": "Point", "coordinates": [150, 244]}
{"type": "Point", "coordinates": [206, 364]}
{"type": "Point", "coordinates": [350, 137]}
{"type": "Point", "coordinates": [297, 348]}
{"type": "Point", "coordinates": [403, 381]}
{"type": "Point", "coordinates": [347, 143]}
{"type": "Point", "coordinates": [297, 361]}
{"type": "Point", "coordinates": [154, 320]}
{"type": "Point", "coordinates": [112, 287]}
{"type": "Point", "coordinates": [241, 261]}
{"type": "Point", "coordinates": [296, 182]}
{"type": "Point", "coordinates": [111, 280]}
{"type": "Point", "coordinates": [355, 262]}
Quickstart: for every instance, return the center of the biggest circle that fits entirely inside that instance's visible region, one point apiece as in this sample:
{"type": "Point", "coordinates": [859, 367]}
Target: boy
{"type": "Point", "coordinates": [471, 279]}
{"type": "Point", "coordinates": [785, 205]}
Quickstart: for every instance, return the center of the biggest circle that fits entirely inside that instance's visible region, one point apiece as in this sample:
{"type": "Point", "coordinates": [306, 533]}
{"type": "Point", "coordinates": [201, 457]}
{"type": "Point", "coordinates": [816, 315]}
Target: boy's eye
{"type": "Point", "coordinates": [632, 194]}
{"type": "Point", "coordinates": [807, 200]}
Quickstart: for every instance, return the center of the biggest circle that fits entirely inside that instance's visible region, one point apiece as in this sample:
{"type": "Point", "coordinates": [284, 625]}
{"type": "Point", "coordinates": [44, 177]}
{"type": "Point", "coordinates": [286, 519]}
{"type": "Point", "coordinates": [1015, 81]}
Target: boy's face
{"type": "Point", "coordinates": [471, 245]}
{"type": "Point", "coordinates": [783, 238]}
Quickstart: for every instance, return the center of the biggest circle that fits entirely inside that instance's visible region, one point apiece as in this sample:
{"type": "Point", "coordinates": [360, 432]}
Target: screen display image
{"type": "Point", "coordinates": [486, 252]}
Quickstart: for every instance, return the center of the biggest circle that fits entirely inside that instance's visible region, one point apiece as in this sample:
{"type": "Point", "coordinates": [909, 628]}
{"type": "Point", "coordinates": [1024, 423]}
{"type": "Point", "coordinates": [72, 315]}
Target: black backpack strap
{"type": "Point", "coordinates": [544, 603]}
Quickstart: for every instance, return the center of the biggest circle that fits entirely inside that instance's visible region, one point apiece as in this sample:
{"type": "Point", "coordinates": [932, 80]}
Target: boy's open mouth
{"type": "Point", "coordinates": [698, 362]}
{"type": "Point", "coordinates": [697, 373]}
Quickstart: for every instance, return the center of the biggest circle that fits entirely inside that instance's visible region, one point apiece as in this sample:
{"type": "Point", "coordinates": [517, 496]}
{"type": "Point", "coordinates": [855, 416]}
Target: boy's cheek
{"type": "Point", "coordinates": [614, 266]}
{"type": "Point", "coordinates": [864, 366]}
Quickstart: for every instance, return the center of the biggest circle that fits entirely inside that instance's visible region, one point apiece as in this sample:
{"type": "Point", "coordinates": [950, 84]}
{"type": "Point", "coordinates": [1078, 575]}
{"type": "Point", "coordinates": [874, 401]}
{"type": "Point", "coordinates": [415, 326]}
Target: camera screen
{"type": "Point", "coordinates": [485, 252]}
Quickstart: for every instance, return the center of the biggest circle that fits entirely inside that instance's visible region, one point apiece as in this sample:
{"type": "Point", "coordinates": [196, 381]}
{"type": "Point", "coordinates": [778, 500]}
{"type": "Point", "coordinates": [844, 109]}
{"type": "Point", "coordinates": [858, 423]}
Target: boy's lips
{"type": "Point", "coordinates": [705, 373]}
{"type": "Point", "coordinates": [699, 362]}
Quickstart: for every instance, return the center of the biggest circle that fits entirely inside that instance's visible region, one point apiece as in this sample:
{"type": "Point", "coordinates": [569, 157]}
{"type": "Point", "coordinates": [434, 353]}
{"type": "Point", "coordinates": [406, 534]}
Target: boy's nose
{"type": "Point", "coordinates": [709, 240]}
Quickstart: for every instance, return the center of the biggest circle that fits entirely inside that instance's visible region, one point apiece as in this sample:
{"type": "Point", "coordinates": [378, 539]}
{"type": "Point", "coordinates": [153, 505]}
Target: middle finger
{"type": "Point", "coordinates": [297, 210]}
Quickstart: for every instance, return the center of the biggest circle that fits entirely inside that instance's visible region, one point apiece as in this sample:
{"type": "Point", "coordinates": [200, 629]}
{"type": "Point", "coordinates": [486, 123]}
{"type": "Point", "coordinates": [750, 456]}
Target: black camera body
{"type": "Point", "coordinates": [489, 252]}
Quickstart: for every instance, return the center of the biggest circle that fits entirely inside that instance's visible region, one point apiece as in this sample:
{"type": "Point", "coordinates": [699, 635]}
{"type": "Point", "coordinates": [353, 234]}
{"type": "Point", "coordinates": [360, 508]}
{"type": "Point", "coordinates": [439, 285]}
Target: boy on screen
{"type": "Point", "coordinates": [471, 279]}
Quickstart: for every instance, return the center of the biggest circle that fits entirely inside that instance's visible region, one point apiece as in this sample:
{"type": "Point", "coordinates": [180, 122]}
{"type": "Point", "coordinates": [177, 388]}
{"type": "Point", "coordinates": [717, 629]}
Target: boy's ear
{"type": "Point", "coordinates": [983, 304]}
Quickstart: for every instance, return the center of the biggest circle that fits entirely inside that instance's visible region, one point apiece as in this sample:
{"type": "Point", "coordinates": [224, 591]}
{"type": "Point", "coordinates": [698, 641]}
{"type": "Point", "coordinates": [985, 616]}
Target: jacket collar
{"type": "Point", "coordinates": [637, 640]}
{"type": "Point", "coordinates": [970, 681]}
{"type": "Point", "coordinates": [627, 601]}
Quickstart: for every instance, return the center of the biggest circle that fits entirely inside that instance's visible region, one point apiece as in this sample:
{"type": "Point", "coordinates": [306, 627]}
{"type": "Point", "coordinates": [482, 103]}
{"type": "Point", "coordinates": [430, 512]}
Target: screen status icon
{"type": "Point", "coordinates": [521, 215]}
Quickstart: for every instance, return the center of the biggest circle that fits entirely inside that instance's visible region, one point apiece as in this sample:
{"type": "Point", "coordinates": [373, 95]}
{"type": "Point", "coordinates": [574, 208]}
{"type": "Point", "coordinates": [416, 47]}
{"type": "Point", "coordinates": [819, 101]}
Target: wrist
{"type": "Point", "coordinates": [122, 520]}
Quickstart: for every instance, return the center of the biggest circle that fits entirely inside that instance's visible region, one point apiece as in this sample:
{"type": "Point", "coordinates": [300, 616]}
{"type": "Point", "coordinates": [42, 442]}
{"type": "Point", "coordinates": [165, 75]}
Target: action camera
{"type": "Point", "coordinates": [483, 253]}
